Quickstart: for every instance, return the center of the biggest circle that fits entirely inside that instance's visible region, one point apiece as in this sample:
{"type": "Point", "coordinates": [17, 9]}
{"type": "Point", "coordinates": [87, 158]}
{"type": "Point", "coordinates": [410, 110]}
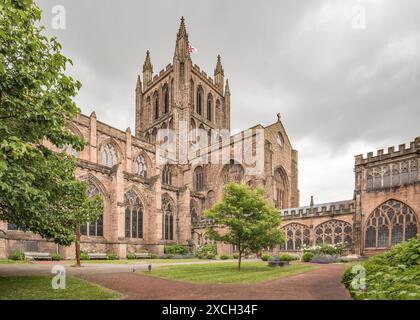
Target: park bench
{"type": "Point", "coordinates": [37, 255]}
{"type": "Point", "coordinates": [277, 263]}
{"type": "Point", "coordinates": [142, 255]}
{"type": "Point", "coordinates": [97, 256]}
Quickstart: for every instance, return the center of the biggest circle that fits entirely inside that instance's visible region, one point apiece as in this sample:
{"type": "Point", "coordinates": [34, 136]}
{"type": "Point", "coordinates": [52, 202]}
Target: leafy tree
{"type": "Point", "coordinates": [38, 188]}
{"type": "Point", "coordinates": [246, 219]}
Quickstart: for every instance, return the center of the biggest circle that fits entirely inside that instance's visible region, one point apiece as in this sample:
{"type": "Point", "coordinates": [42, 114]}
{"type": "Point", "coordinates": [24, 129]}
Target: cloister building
{"type": "Point", "coordinates": [151, 198]}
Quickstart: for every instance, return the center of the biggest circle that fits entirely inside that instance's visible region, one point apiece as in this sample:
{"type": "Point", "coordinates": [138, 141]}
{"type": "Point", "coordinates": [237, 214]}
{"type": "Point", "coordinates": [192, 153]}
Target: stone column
{"type": "Point", "coordinates": [184, 217]}
{"type": "Point", "coordinates": [117, 230]}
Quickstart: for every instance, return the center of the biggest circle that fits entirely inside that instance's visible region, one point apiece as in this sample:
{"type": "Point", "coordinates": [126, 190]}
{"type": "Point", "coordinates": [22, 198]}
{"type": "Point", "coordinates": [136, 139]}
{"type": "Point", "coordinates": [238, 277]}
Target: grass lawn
{"type": "Point", "coordinates": [9, 261]}
{"type": "Point", "coordinates": [134, 261]}
{"type": "Point", "coordinates": [226, 272]}
{"type": "Point", "coordinates": [39, 288]}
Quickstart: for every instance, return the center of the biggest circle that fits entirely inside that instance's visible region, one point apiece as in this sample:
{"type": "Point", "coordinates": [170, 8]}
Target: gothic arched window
{"type": "Point", "coordinates": [395, 175]}
{"type": "Point", "coordinates": [133, 216]}
{"type": "Point", "coordinates": [167, 218]}
{"type": "Point", "coordinates": [404, 173]}
{"type": "Point", "coordinates": [199, 103]}
{"type": "Point", "coordinates": [280, 189]}
{"type": "Point", "coordinates": [95, 228]}
{"type": "Point", "coordinates": [165, 99]}
{"type": "Point", "coordinates": [167, 175]}
{"type": "Point", "coordinates": [156, 105]}
{"type": "Point", "coordinates": [108, 155]}
{"type": "Point", "coordinates": [296, 235]}
{"type": "Point", "coordinates": [390, 223]}
{"type": "Point", "coordinates": [141, 166]}
{"type": "Point", "coordinates": [334, 232]}
{"type": "Point", "coordinates": [210, 107]}
{"type": "Point", "coordinates": [386, 177]}
{"type": "Point", "coordinates": [198, 179]}
{"type": "Point", "coordinates": [233, 172]}
{"type": "Point", "coordinates": [369, 180]}
{"type": "Point", "coordinates": [414, 171]}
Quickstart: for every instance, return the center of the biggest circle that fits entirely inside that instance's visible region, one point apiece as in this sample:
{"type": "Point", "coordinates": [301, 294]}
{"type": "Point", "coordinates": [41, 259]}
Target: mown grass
{"type": "Point", "coordinates": [40, 288]}
{"type": "Point", "coordinates": [226, 272]}
{"type": "Point", "coordinates": [134, 261]}
{"type": "Point", "coordinates": [9, 261]}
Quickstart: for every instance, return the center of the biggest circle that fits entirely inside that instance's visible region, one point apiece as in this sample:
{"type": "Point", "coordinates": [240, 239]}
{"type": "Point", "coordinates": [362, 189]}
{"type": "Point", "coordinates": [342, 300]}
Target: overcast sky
{"type": "Point", "coordinates": [341, 89]}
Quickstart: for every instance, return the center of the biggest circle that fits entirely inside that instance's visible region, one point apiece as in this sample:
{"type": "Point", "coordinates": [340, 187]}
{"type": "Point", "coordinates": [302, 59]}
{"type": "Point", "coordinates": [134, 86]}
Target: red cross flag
{"type": "Point", "coordinates": [191, 49]}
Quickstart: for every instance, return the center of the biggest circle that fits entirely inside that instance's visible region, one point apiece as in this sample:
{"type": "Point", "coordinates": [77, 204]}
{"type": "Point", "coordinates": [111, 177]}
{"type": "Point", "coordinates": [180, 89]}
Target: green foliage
{"type": "Point", "coordinates": [153, 256]}
{"type": "Point", "coordinates": [393, 275]}
{"type": "Point", "coordinates": [131, 256]}
{"type": "Point", "coordinates": [224, 257]}
{"type": "Point", "coordinates": [112, 256]}
{"type": "Point", "coordinates": [286, 257]}
{"type": "Point", "coordinates": [55, 257]}
{"type": "Point", "coordinates": [307, 256]}
{"type": "Point", "coordinates": [38, 188]}
{"type": "Point", "coordinates": [207, 251]}
{"type": "Point", "coordinates": [84, 256]}
{"type": "Point", "coordinates": [17, 255]}
{"type": "Point", "coordinates": [326, 248]}
{"type": "Point", "coordinates": [175, 249]}
{"type": "Point", "coordinates": [235, 255]}
{"type": "Point", "coordinates": [246, 219]}
{"type": "Point", "coordinates": [265, 257]}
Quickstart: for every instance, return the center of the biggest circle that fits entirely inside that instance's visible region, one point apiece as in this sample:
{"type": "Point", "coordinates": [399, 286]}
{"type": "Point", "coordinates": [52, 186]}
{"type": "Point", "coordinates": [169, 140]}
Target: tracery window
{"type": "Point", "coordinates": [156, 105]}
{"type": "Point", "coordinates": [109, 155]}
{"type": "Point", "coordinates": [167, 218]}
{"type": "Point", "coordinates": [167, 175]}
{"type": "Point", "coordinates": [296, 235]}
{"type": "Point", "coordinates": [198, 179]}
{"type": "Point", "coordinates": [395, 175]}
{"type": "Point", "coordinates": [233, 172]}
{"type": "Point", "coordinates": [95, 228]}
{"type": "Point", "coordinates": [141, 166]}
{"type": "Point", "coordinates": [369, 180]}
{"type": "Point", "coordinates": [386, 177]}
{"type": "Point", "coordinates": [165, 99]}
{"type": "Point", "coordinates": [280, 188]}
{"type": "Point", "coordinates": [133, 216]}
{"type": "Point", "coordinates": [210, 108]}
{"type": "Point", "coordinates": [334, 232]}
{"type": "Point", "coordinates": [414, 170]}
{"type": "Point", "coordinates": [199, 103]}
{"type": "Point", "coordinates": [390, 223]}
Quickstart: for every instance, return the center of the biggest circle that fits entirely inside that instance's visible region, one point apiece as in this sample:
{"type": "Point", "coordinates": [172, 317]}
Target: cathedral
{"type": "Point", "coordinates": [156, 182]}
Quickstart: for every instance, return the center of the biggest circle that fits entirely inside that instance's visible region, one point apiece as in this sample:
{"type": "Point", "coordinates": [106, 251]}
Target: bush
{"type": "Point", "coordinates": [265, 257]}
{"type": "Point", "coordinates": [224, 257]}
{"type": "Point", "coordinates": [175, 249]}
{"type": "Point", "coordinates": [17, 255]}
{"type": "Point", "coordinates": [206, 250]}
{"type": "Point", "coordinates": [307, 256]}
{"type": "Point", "coordinates": [326, 248]}
{"type": "Point", "coordinates": [84, 256]}
{"type": "Point", "coordinates": [55, 257]}
{"type": "Point", "coordinates": [210, 256]}
{"type": "Point", "coordinates": [393, 275]}
{"type": "Point", "coordinates": [112, 256]}
{"type": "Point", "coordinates": [286, 257]}
{"type": "Point", "coordinates": [235, 256]}
{"type": "Point", "coordinates": [131, 256]}
{"type": "Point", "coordinates": [153, 256]}
{"type": "Point", "coordinates": [325, 258]}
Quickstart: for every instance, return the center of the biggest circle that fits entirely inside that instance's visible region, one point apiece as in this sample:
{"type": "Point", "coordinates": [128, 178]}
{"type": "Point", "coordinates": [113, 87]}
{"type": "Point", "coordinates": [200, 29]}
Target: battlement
{"type": "Point", "coordinates": [157, 77]}
{"type": "Point", "coordinates": [328, 209]}
{"type": "Point", "coordinates": [414, 147]}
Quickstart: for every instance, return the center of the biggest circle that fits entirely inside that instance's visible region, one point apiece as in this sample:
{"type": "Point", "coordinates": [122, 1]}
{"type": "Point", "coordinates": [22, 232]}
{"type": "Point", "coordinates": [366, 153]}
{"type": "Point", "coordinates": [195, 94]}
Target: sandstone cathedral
{"type": "Point", "coordinates": [156, 183]}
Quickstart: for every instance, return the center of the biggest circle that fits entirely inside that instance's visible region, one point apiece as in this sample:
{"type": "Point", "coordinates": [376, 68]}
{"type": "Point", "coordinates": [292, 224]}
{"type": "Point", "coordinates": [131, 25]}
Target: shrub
{"type": "Point", "coordinates": [131, 256]}
{"type": "Point", "coordinates": [224, 257]}
{"type": "Point", "coordinates": [84, 256]}
{"type": "Point", "coordinates": [175, 249]}
{"type": "Point", "coordinates": [112, 256]}
{"type": "Point", "coordinates": [55, 257]}
{"type": "Point", "coordinates": [265, 257]}
{"type": "Point", "coordinates": [326, 248]}
{"type": "Point", "coordinates": [17, 255]}
{"type": "Point", "coordinates": [235, 256]}
{"type": "Point", "coordinates": [392, 275]}
{"type": "Point", "coordinates": [307, 256]}
{"type": "Point", "coordinates": [153, 256]}
{"type": "Point", "coordinates": [286, 257]}
{"type": "Point", "coordinates": [210, 256]}
{"type": "Point", "coordinates": [325, 258]}
{"type": "Point", "coordinates": [206, 250]}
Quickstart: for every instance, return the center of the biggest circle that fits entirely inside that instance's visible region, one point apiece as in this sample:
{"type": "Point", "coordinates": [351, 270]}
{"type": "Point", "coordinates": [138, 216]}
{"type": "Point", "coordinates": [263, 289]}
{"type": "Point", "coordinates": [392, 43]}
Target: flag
{"type": "Point", "coordinates": [191, 49]}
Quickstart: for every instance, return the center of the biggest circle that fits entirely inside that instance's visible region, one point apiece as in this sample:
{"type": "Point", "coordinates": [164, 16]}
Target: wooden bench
{"type": "Point", "coordinates": [277, 263]}
{"type": "Point", "coordinates": [37, 255]}
{"type": "Point", "coordinates": [142, 255]}
{"type": "Point", "coordinates": [97, 256]}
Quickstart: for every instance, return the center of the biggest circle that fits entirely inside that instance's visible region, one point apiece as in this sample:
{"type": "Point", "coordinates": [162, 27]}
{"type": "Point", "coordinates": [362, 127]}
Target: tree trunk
{"type": "Point", "coordinates": [239, 260]}
{"type": "Point", "coordinates": [77, 245]}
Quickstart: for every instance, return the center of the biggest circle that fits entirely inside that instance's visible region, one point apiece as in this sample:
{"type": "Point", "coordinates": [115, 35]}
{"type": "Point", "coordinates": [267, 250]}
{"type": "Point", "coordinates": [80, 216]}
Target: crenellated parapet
{"type": "Point", "coordinates": [392, 152]}
{"type": "Point", "coordinates": [324, 209]}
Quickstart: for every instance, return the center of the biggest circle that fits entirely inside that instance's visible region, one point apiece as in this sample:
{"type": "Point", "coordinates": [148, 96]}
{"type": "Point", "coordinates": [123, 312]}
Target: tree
{"type": "Point", "coordinates": [38, 188]}
{"type": "Point", "coordinates": [246, 219]}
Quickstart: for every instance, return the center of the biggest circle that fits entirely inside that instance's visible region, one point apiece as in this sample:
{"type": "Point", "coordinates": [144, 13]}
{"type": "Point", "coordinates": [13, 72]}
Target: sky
{"type": "Point", "coordinates": [343, 74]}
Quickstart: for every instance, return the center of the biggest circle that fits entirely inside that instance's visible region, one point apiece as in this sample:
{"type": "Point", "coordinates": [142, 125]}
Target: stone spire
{"type": "Point", "coordinates": [139, 86]}
{"type": "Point", "coordinates": [182, 51]}
{"type": "Point", "coordinates": [312, 201]}
{"type": "Point", "coordinates": [147, 69]}
{"type": "Point", "coordinates": [227, 90]}
{"type": "Point", "coordinates": [219, 73]}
